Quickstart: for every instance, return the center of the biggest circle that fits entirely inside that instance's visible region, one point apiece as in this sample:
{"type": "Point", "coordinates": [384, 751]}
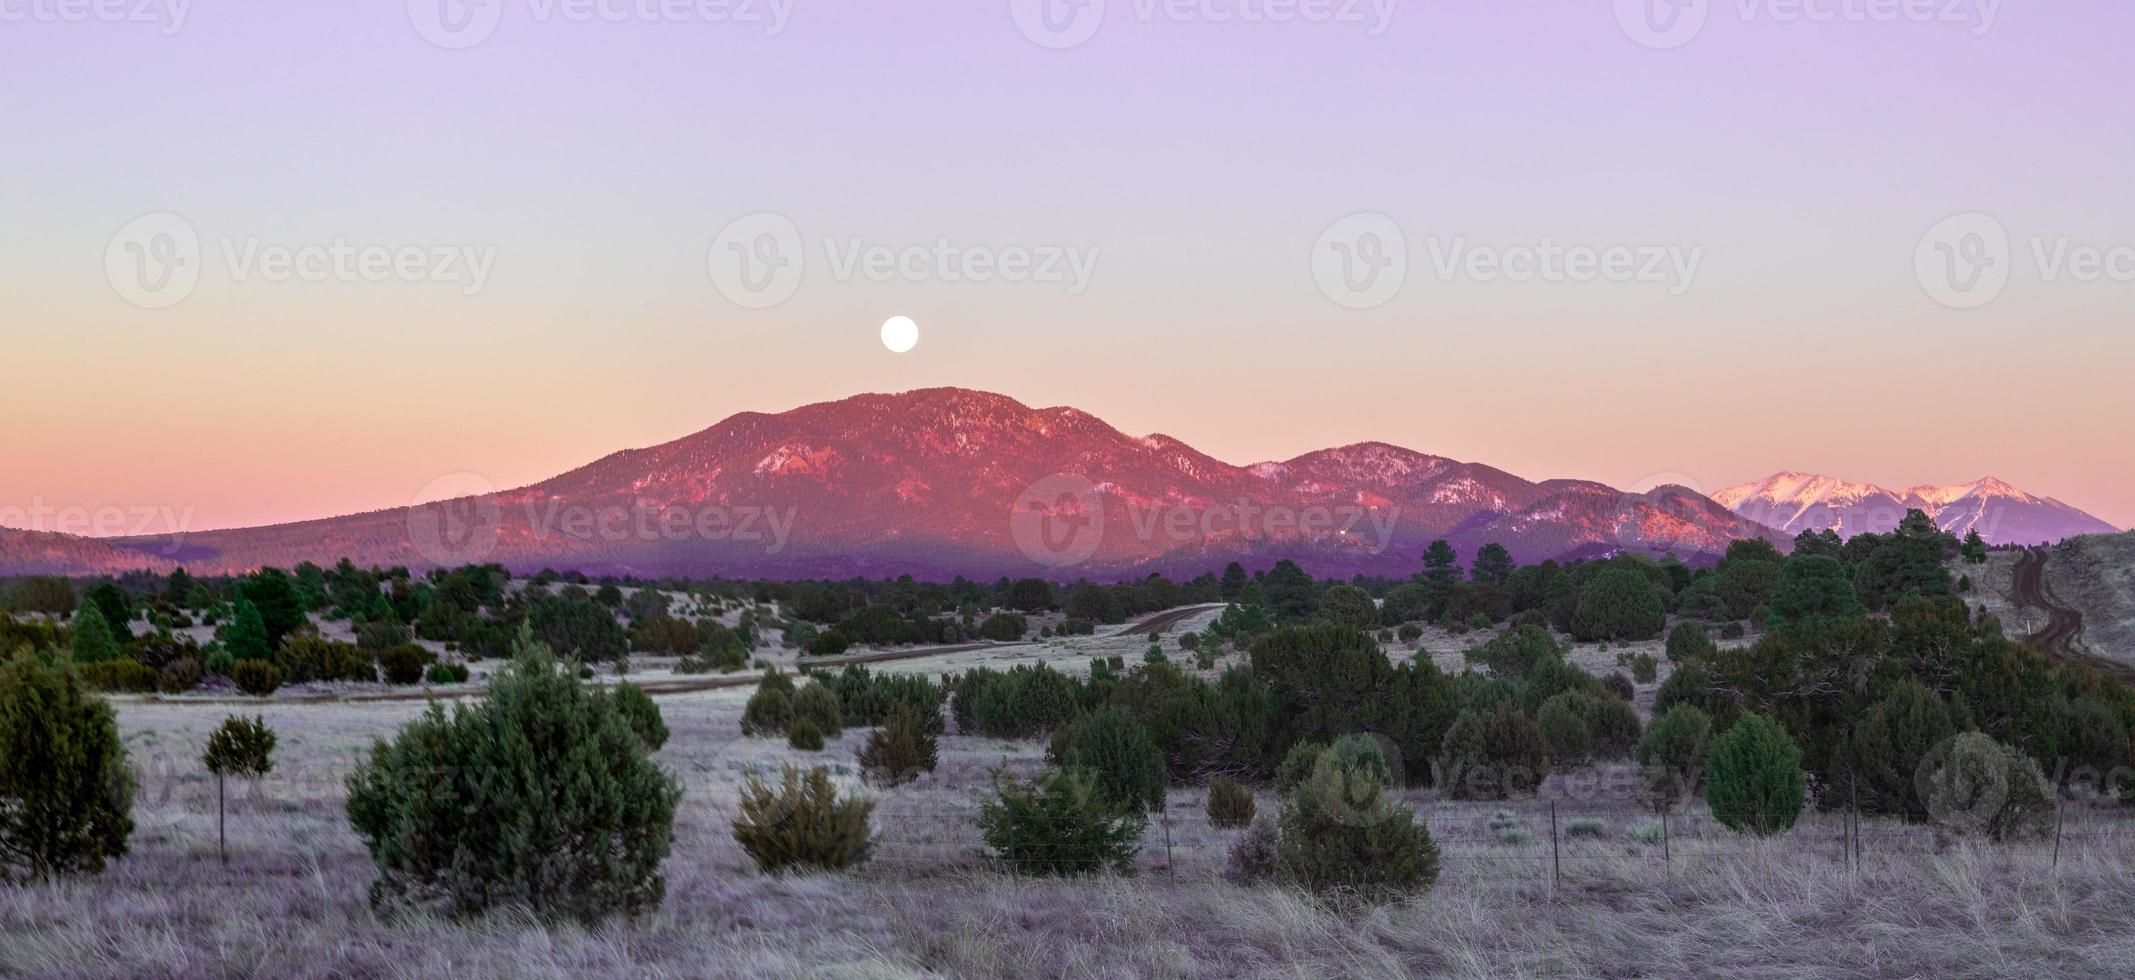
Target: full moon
{"type": "Point", "coordinates": [900, 334]}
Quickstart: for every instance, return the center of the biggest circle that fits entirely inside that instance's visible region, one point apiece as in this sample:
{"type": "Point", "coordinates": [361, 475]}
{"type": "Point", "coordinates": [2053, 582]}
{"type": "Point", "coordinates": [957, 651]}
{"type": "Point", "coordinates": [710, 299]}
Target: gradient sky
{"type": "Point", "coordinates": [1202, 158]}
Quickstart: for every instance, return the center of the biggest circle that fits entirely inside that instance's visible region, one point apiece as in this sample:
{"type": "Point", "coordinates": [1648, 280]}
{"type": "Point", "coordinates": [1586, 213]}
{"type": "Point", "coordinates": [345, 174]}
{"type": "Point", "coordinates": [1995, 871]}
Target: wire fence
{"type": "Point", "coordinates": [1549, 842]}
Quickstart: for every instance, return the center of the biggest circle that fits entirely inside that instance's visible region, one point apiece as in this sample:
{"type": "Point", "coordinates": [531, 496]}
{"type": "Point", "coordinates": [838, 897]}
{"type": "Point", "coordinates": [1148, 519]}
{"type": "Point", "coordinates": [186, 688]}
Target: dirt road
{"type": "Point", "coordinates": [1157, 623]}
{"type": "Point", "coordinates": [2062, 637]}
{"type": "Point", "coordinates": [1165, 620]}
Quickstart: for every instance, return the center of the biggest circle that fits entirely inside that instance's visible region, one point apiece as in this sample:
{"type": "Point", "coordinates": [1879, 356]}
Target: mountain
{"type": "Point", "coordinates": [51, 553]}
{"type": "Point", "coordinates": [1794, 502]}
{"type": "Point", "coordinates": [949, 481]}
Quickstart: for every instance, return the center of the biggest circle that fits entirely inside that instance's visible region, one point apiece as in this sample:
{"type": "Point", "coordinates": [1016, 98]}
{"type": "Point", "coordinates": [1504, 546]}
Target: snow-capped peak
{"type": "Point", "coordinates": [1799, 490]}
{"type": "Point", "coordinates": [1943, 496]}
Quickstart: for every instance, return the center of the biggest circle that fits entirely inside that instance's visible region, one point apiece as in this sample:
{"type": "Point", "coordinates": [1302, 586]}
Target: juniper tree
{"type": "Point", "coordinates": [66, 795]}
{"type": "Point", "coordinates": [239, 748]}
{"type": "Point", "coordinates": [540, 796]}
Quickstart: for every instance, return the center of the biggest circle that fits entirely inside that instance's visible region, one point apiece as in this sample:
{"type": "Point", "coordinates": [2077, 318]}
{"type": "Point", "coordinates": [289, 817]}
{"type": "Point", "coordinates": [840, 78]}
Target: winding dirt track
{"type": "Point", "coordinates": [678, 685]}
{"type": "Point", "coordinates": [1157, 623]}
{"type": "Point", "coordinates": [1165, 620]}
{"type": "Point", "coordinates": [2062, 637]}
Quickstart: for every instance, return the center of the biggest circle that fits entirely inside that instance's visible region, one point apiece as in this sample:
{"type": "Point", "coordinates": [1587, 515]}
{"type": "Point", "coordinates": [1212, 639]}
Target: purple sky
{"type": "Point", "coordinates": [1198, 161]}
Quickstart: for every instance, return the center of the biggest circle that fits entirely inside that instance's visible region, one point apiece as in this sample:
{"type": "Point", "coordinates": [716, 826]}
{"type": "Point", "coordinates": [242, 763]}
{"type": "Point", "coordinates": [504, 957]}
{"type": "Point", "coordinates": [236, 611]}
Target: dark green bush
{"type": "Point", "coordinates": [258, 678]}
{"type": "Point", "coordinates": [305, 657]}
{"type": "Point", "coordinates": [1615, 726]}
{"type": "Point", "coordinates": [1229, 804]}
{"type": "Point", "coordinates": [447, 674]}
{"type": "Point", "coordinates": [404, 664]}
{"type": "Point", "coordinates": [1058, 824]}
{"type": "Point", "coordinates": [1022, 702]}
{"type": "Point", "coordinates": [1673, 754]}
{"type": "Point", "coordinates": [1296, 766]}
{"type": "Point", "coordinates": [1116, 754]}
{"type": "Point", "coordinates": [1515, 652]}
{"type": "Point", "coordinates": [539, 796]}
{"type": "Point", "coordinates": [901, 749]}
{"type": "Point", "coordinates": [802, 824]}
{"type": "Point", "coordinates": [1754, 781]}
{"type": "Point", "coordinates": [1363, 752]}
{"type": "Point", "coordinates": [1347, 605]}
{"type": "Point", "coordinates": [1645, 668]}
{"type": "Point", "coordinates": [66, 794]}
{"type": "Point", "coordinates": [830, 643]}
{"type": "Point", "coordinates": [643, 715]}
{"type": "Point", "coordinates": [1694, 683]}
{"type": "Point", "coordinates": [1618, 604]}
{"type": "Point", "coordinates": [1340, 834]}
{"type": "Point", "coordinates": [1891, 740]}
{"type": "Point", "coordinates": [118, 677]}
{"type": "Point", "coordinates": [1690, 641]}
{"type": "Point", "coordinates": [1004, 627]}
{"type": "Point", "coordinates": [770, 709]}
{"type": "Point", "coordinates": [1564, 725]}
{"type": "Point", "coordinates": [817, 703]}
{"type": "Point", "coordinates": [1494, 757]}
{"type": "Point", "coordinates": [1330, 681]}
{"type": "Point", "coordinates": [805, 735]}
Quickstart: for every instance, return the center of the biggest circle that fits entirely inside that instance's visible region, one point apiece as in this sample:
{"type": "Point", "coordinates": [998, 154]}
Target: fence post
{"type": "Point", "coordinates": [1556, 860]}
{"type": "Point", "coordinates": [1170, 871]}
{"type": "Point", "coordinates": [2058, 807]}
{"type": "Point", "coordinates": [1667, 860]}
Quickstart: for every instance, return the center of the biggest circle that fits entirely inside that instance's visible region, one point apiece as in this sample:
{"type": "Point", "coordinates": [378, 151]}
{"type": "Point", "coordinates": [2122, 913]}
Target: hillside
{"type": "Point", "coordinates": [948, 481]}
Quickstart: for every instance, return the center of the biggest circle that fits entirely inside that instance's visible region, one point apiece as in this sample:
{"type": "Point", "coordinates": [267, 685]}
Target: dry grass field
{"type": "Point", "coordinates": [291, 902]}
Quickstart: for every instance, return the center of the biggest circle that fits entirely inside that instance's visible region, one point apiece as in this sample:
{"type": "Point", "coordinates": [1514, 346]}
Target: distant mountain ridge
{"type": "Point", "coordinates": [948, 481]}
{"type": "Point", "coordinates": [2002, 514]}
